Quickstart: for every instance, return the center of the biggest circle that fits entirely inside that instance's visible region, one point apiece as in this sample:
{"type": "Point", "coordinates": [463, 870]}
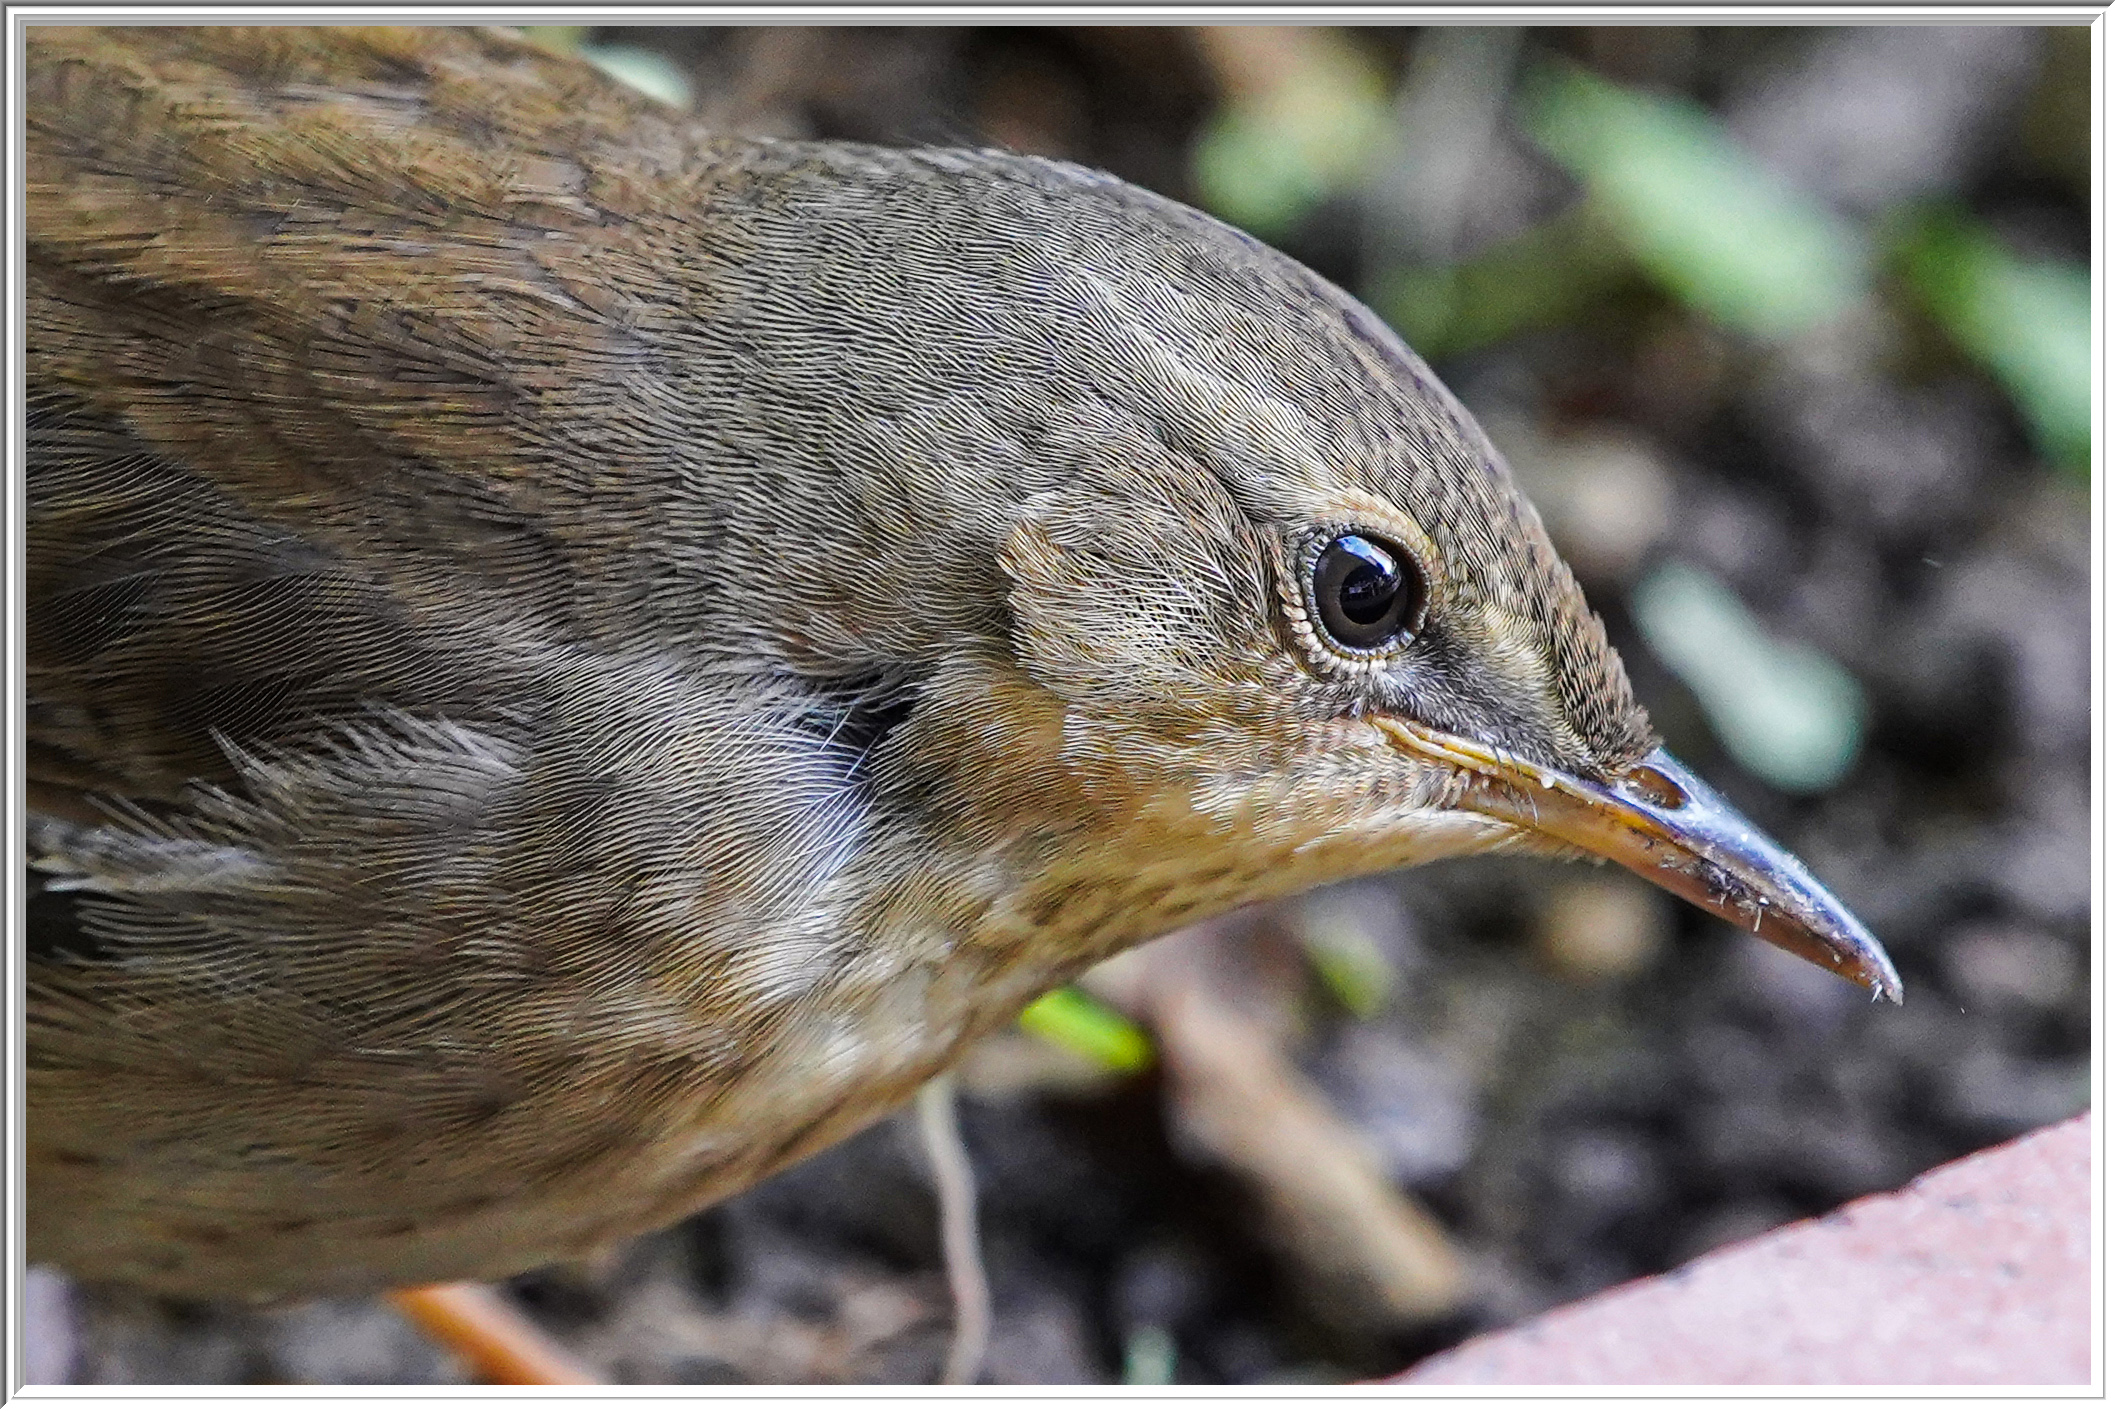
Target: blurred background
{"type": "Point", "coordinates": [1786, 332]}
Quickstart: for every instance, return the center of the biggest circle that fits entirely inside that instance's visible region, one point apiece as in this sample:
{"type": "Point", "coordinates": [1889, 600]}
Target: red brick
{"type": "Point", "coordinates": [1976, 1273]}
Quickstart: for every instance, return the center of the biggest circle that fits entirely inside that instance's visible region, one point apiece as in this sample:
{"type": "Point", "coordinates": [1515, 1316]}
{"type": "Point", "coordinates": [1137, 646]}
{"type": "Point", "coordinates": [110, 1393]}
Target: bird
{"type": "Point", "coordinates": [574, 660]}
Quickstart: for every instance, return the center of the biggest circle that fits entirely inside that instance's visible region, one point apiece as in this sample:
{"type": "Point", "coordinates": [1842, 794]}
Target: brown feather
{"type": "Point", "coordinates": [610, 652]}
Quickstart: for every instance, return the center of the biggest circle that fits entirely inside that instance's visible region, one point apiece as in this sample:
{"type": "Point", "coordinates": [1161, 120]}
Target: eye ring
{"type": "Point", "coordinates": [1366, 595]}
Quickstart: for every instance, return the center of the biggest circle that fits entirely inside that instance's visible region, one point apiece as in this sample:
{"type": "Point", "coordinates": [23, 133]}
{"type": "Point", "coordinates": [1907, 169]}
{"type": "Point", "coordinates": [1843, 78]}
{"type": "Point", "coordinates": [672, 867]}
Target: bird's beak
{"type": "Point", "coordinates": [1661, 821]}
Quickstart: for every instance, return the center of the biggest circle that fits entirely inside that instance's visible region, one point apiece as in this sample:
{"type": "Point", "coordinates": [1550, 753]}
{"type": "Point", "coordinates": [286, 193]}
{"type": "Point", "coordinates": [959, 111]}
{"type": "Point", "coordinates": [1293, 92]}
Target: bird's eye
{"type": "Point", "coordinates": [1367, 594]}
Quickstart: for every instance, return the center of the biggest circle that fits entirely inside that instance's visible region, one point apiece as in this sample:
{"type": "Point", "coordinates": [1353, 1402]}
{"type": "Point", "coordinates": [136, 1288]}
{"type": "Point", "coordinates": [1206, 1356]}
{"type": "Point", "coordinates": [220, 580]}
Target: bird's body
{"type": "Point", "coordinates": [573, 661]}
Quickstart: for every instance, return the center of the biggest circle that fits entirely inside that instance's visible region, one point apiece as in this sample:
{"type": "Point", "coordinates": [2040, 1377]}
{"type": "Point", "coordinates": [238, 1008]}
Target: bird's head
{"type": "Point", "coordinates": [1268, 608]}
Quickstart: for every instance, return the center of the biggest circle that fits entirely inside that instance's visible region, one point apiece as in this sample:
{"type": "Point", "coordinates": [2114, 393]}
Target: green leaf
{"type": "Point", "coordinates": [1702, 216]}
{"type": "Point", "coordinates": [1548, 275]}
{"type": "Point", "coordinates": [1266, 161]}
{"type": "Point", "coordinates": [2029, 322]}
{"type": "Point", "coordinates": [1350, 962]}
{"type": "Point", "coordinates": [1786, 712]}
{"type": "Point", "coordinates": [644, 70]}
{"type": "Point", "coordinates": [1150, 1357]}
{"type": "Point", "coordinates": [1073, 1020]}
{"type": "Point", "coordinates": [560, 38]}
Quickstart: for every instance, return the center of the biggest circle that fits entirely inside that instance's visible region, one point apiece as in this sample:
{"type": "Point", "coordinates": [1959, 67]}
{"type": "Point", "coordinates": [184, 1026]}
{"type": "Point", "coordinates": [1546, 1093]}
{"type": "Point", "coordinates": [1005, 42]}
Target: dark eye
{"type": "Point", "coordinates": [1367, 592]}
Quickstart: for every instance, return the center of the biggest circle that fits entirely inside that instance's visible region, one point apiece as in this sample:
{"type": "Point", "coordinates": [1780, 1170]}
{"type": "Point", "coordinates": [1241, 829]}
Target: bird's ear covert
{"type": "Point", "coordinates": [1109, 603]}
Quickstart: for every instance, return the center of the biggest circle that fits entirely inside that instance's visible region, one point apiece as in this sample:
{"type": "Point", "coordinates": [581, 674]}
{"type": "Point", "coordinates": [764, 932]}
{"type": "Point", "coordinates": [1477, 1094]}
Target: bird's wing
{"type": "Point", "coordinates": [393, 859]}
{"type": "Point", "coordinates": [335, 339]}
{"type": "Point", "coordinates": [346, 726]}
{"type": "Point", "coordinates": [167, 619]}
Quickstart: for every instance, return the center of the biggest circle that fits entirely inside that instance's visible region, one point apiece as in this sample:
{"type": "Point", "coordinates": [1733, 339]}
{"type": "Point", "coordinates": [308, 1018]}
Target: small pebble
{"type": "Point", "coordinates": [1602, 926]}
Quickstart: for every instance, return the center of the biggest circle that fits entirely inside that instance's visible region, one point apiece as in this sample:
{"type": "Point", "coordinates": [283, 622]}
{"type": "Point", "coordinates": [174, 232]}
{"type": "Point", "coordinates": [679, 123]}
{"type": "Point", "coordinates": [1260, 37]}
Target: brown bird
{"type": "Point", "coordinates": [573, 660]}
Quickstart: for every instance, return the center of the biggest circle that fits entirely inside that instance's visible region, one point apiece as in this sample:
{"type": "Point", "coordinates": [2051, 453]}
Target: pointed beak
{"type": "Point", "coordinates": [1663, 822]}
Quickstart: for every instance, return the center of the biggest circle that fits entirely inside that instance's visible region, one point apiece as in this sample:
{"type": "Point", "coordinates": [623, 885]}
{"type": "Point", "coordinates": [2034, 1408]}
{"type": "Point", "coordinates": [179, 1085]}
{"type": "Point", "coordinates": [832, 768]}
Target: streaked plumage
{"type": "Point", "coordinates": [573, 661]}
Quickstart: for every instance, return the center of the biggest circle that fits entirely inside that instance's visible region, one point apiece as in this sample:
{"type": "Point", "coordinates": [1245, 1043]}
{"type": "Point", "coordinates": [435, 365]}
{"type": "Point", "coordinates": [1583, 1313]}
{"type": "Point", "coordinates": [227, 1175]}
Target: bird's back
{"type": "Point", "coordinates": [387, 863]}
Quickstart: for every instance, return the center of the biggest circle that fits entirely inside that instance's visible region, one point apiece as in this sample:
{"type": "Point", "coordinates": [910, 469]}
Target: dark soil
{"type": "Point", "coordinates": [1579, 1104]}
